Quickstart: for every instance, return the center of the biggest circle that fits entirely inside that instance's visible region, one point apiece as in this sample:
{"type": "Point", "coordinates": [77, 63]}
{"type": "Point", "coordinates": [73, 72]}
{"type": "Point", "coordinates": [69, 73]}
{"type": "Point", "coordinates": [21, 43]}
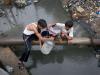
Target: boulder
{"type": "Point", "coordinates": [20, 3]}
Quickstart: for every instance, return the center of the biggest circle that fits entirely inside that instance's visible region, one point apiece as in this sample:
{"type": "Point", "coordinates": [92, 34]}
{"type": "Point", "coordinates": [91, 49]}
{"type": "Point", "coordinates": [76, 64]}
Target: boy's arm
{"type": "Point", "coordinates": [69, 37]}
{"type": "Point", "coordinates": [33, 28]}
{"type": "Point", "coordinates": [51, 25]}
{"type": "Point", "coordinates": [65, 34]}
{"type": "Point", "coordinates": [71, 33]}
{"type": "Point", "coordinates": [68, 34]}
{"type": "Point", "coordinates": [40, 43]}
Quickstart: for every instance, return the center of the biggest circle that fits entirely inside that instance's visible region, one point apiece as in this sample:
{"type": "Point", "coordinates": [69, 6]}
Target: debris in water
{"type": "Point", "coordinates": [20, 3]}
{"type": "Point", "coordinates": [2, 13]}
{"type": "Point", "coordinates": [35, 1]}
{"type": "Point", "coordinates": [9, 68]}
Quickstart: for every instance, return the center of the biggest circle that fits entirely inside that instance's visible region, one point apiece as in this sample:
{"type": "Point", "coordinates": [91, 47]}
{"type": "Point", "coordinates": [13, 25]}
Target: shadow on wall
{"type": "Point", "coordinates": [2, 66]}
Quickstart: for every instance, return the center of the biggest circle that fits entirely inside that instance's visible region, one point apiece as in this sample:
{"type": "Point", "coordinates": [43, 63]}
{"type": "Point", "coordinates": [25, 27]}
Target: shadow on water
{"type": "Point", "coordinates": [2, 66]}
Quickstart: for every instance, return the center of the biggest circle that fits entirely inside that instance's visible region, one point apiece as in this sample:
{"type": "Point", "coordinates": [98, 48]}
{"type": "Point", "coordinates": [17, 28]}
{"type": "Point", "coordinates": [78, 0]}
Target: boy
{"type": "Point", "coordinates": [33, 32]}
{"type": "Point", "coordinates": [65, 30]}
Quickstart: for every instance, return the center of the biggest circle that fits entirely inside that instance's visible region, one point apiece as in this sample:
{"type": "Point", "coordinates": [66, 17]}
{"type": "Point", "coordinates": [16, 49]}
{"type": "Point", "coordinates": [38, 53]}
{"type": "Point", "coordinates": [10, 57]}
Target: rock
{"type": "Point", "coordinates": [2, 72]}
{"type": "Point", "coordinates": [1, 2]}
{"type": "Point", "coordinates": [20, 3]}
{"type": "Point", "coordinates": [29, 2]}
{"type": "Point", "coordinates": [98, 56]}
{"type": "Point", "coordinates": [35, 1]}
{"type": "Point", "coordinates": [80, 9]}
{"type": "Point", "coordinates": [2, 13]}
{"type": "Point", "coordinates": [7, 2]}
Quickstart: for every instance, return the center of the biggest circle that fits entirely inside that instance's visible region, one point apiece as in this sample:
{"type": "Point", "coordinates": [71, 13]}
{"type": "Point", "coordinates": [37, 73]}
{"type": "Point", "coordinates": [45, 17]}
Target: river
{"type": "Point", "coordinates": [69, 60]}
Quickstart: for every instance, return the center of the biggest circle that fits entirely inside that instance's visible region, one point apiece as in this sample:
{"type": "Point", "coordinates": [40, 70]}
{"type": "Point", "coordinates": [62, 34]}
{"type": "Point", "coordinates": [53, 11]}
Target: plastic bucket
{"type": "Point", "coordinates": [47, 47]}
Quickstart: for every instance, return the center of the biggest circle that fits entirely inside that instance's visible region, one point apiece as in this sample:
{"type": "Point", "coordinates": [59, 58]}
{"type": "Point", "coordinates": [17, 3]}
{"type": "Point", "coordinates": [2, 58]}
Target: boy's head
{"type": "Point", "coordinates": [68, 24]}
{"type": "Point", "coordinates": [42, 23]}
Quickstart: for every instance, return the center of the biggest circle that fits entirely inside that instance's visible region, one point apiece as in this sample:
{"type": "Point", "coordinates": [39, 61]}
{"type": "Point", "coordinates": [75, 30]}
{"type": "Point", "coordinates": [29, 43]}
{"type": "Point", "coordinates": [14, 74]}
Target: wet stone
{"type": "Point", "coordinates": [2, 13]}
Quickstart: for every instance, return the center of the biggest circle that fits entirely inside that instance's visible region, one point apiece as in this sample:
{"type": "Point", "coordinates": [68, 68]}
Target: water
{"type": "Point", "coordinates": [70, 60]}
{"type": "Point", "coordinates": [46, 9]}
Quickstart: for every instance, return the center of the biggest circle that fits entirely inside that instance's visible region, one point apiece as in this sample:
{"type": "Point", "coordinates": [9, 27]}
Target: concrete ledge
{"type": "Point", "coordinates": [83, 41]}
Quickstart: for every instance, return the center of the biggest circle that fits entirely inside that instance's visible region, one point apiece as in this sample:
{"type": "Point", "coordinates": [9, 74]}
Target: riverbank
{"type": "Point", "coordinates": [70, 59]}
{"type": "Point", "coordinates": [85, 11]}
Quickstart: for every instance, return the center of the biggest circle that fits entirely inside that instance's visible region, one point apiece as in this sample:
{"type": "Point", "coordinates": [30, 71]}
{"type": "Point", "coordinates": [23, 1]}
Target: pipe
{"type": "Point", "coordinates": [83, 41]}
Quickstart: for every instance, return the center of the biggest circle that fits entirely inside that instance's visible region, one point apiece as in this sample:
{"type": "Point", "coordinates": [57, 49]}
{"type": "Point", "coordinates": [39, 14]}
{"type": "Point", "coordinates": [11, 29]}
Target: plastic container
{"type": "Point", "coordinates": [47, 47]}
{"type": "Point", "coordinates": [98, 12]}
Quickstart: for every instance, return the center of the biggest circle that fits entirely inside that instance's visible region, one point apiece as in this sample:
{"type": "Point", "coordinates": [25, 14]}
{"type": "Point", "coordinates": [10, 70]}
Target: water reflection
{"type": "Point", "coordinates": [98, 62]}
{"type": "Point", "coordinates": [71, 58]}
{"type": "Point", "coordinates": [73, 53]}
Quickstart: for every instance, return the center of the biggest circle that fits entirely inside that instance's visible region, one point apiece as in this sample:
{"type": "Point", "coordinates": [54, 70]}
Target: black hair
{"type": "Point", "coordinates": [69, 23]}
{"type": "Point", "coordinates": [42, 23]}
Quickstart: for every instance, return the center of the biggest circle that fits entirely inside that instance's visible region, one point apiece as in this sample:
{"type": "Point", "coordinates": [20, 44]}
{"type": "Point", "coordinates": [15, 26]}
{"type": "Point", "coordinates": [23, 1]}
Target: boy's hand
{"type": "Point", "coordinates": [69, 42]}
{"type": "Point", "coordinates": [69, 38]}
{"type": "Point", "coordinates": [63, 35]}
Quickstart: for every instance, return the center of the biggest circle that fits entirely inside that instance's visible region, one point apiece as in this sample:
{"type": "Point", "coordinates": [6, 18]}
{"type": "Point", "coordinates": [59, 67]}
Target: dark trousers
{"type": "Point", "coordinates": [28, 44]}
